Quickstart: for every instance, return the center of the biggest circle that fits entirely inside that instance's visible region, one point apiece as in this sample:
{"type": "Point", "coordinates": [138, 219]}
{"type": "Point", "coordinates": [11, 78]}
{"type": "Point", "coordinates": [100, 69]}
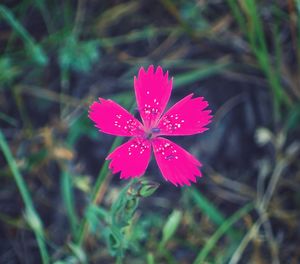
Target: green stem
{"type": "Point", "coordinates": [84, 227]}
{"type": "Point", "coordinates": [32, 215]}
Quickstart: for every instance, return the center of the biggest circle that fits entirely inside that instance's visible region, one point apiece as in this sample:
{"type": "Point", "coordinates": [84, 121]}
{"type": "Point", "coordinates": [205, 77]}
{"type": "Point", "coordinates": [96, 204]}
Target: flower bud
{"type": "Point", "coordinates": [143, 188]}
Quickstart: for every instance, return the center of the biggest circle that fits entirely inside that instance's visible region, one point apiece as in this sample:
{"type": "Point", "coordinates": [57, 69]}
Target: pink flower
{"type": "Point", "coordinates": [187, 117]}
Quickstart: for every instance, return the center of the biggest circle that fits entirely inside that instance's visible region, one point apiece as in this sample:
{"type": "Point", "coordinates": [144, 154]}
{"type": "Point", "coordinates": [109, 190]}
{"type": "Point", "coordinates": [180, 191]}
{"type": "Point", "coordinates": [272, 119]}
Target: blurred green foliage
{"type": "Point", "coordinates": [8, 72]}
{"type": "Point", "coordinates": [117, 224]}
{"type": "Point", "coordinates": [78, 56]}
{"type": "Point", "coordinates": [49, 48]}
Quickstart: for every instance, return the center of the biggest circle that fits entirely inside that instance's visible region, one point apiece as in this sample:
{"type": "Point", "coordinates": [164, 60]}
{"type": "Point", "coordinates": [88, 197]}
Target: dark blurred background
{"type": "Point", "coordinates": [57, 57]}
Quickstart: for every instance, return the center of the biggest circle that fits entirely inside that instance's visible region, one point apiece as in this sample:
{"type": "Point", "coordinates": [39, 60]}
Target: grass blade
{"type": "Point", "coordinates": [254, 31]}
{"type": "Point", "coordinates": [199, 74]}
{"type": "Point", "coordinates": [211, 211]}
{"type": "Point", "coordinates": [35, 50]}
{"type": "Point", "coordinates": [170, 228]}
{"type": "Point", "coordinates": [68, 197]}
{"type": "Point", "coordinates": [210, 244]}
{"type": "Point", "coordinates": [100, 179]}
{"type": "Point", "coordinates": [31, 214]}
{"type": "Point", "coordinates": [207, 207]}
{"type": "Point", "coordinates": [84, 226]}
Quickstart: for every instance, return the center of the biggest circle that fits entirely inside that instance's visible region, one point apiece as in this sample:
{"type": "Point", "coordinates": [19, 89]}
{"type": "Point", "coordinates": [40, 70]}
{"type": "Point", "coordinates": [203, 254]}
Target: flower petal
{"type": "Point", "coordinates": [176, 164]}
{"type": "Point", "coordinates": [187, 117]}
{"type": "Point", "coordinates": [111, 118]}
{"type": "Point", "coordinates": [152, 90]}
{"type": "Point", "coordinates": [131, 158]}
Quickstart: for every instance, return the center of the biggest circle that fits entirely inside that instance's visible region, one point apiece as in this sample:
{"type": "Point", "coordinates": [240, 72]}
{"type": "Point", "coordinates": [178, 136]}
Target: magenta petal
{"type": "Point", "coordinates": [111, 118]}
{"type": "Point", "coordinates": [187, 117]}
{"type": "Point", "coordinates": [176, 164]}
{"type": "Point", "coordinates": [131, 158]}
{"type": "Point", "coordinates": [152, 90]}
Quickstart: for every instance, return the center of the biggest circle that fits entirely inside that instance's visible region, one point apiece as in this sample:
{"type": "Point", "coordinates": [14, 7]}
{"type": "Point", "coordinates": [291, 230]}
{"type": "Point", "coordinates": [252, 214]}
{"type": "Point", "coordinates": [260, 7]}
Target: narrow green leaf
{"type": "Point", "coordinates": [209, 209]}
{"type": "Point", "coordinates": [206, 206]}
{"type": "Point", "coordinates": [170, 227]}
{"type": "Point", "coordinates": [150, 258]}
{"type": "Point", "coordinates": [68, 198]}
{"type": "Point", "coordinates": [199, 74]}
{"type": "Point", "coordinates": [35, 51]}
{"type": "Point", "coordinates": [31, 214]}
{"type": "Point", "coordinates": [212, 241]}
{"type": "Point", "coordinates": [78, 253]}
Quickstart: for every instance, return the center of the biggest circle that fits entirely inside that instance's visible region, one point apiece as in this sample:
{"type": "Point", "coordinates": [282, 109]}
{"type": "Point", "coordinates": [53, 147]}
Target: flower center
{"type": "Point", "coordinates": [152, 133]}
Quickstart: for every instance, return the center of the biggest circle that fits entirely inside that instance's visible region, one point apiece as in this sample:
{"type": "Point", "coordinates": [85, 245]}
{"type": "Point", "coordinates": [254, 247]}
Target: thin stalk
{"type": "Point", "coordinates": [32, 215]}
{"type": "Point", "coordinates": [84, 227]}
{"type": "Point", "coordinates": [246, 240]}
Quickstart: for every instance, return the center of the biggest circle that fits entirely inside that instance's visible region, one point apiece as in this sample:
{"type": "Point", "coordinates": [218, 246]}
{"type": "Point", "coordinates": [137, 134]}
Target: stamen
{"type": "Point", "coordinates": [155, 130]}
